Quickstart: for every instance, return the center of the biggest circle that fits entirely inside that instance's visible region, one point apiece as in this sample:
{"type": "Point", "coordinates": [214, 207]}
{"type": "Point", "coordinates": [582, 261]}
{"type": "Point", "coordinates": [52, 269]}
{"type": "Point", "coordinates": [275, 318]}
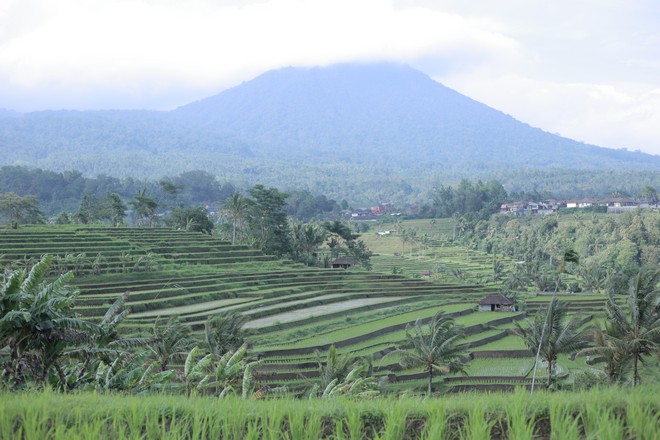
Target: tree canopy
{"type": "Point", "coordinates": [16, 209]}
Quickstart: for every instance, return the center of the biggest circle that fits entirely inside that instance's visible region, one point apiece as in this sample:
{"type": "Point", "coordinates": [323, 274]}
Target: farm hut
{"type": "Point", "coordinates": [344, 263]}
{"type": "Point", "coordinates": [496, 303]}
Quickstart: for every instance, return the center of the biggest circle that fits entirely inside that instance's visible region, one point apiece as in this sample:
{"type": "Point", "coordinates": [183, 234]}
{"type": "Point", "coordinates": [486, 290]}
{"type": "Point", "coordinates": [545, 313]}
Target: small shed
{"type": "Point", "coordinates": [344, 263]}
{"type": "Point", "coordinates": [496, 303]}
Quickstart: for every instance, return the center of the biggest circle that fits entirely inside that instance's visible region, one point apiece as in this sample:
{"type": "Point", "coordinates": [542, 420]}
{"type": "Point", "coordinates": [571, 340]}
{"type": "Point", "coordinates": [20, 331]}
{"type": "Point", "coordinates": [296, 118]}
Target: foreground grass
{"type": "Point", "coordinates": [599, 414]}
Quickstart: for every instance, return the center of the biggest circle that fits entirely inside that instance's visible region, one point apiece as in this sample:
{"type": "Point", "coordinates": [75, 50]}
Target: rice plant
{"type": "Point", "coordinates": [564, 423]}
{"type": "Point", "coordinates": [477, 423]}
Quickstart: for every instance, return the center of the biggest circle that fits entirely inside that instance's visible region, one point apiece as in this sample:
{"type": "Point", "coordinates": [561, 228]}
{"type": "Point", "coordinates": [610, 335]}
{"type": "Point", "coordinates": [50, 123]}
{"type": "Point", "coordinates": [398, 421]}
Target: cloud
{"type": "Point", "coordinates": [588, 70]}
{"type": "Point", "coordinates": [607, 115]}
{"type": "Point", "coordinates": [145, 48]}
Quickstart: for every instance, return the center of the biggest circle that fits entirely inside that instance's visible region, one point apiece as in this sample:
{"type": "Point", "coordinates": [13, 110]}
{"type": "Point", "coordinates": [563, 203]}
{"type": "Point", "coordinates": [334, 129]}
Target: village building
{"type": "Point", "coordinates": [344, 263]}
{"type": "Point", "coordinates": [426, 274]}
{"type": "Point", "coordinates": [530, 208]}
{"type": "Point", "coordinates": [496, 303]}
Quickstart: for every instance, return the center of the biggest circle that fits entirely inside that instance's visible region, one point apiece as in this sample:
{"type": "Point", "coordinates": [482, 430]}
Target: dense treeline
{"type": "Point", "coordinates": [600, 251]}
{"type": "Point", "coordinates": [482, 199]}
{"type": "Point", "coordinates": [72, 193]}
{"type": "Point", "coordinates": [63, 191]}
{"type": "Point", "coordinates": [258, 219]}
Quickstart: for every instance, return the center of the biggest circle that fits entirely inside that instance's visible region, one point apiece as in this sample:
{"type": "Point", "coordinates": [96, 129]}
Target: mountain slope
{"type": "Point", "coordinates": [293, 126]}
{"type": "Point", "coordinates": [383, 108]}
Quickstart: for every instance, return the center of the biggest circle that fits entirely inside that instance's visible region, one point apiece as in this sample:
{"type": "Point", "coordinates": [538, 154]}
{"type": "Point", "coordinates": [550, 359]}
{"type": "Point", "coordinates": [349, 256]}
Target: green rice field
{"type": "Point", "coordinates": [295, 313]}
{"type": "Point", "coordinates": [598, 414]}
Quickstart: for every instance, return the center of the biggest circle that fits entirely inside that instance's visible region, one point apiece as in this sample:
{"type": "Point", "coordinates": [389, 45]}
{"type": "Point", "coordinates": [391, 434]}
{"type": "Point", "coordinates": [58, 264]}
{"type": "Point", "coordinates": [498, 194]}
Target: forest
{"type": "Point", "coordinates": [63, 191]}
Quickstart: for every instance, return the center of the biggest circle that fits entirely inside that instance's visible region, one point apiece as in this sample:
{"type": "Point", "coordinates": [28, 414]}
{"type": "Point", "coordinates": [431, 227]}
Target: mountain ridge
{"type": "Point", "coordinates": [382, 119]}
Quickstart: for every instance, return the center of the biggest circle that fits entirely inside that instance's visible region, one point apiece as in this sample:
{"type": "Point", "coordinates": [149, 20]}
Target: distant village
{"type": "Point", "coordinates": [373, 213]}
{"type": "Point", "coordinates": [614, 205]}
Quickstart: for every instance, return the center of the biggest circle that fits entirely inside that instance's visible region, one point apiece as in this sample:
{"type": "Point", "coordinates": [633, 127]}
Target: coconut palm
{"type": "Point", "coordinates": [236, 207]}
{"type": "Point", "coordinates": [638, 327]}
{"type": "Point", "coordinates": [335, 366]}
{"type": "Point", "coordinates": [171, 341]}
{"type": "Point", "coordinates": [145, 207]}
{"type": "Point", "coordinates": [435, 347]}
{"type": "Point", "coordinates": [517, 280]}
{"type": "Point", "coordinates": [306, 240]}
{"type": "Point", "coordinates": [224, 332]}
{"type": "Point", "coordinates": [608, 347]}
{"type": "Point", "coordinates": [551, 333]}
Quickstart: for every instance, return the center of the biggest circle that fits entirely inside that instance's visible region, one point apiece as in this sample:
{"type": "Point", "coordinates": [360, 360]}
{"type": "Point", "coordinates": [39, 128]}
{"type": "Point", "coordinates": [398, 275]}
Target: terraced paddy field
{"type": "Point", "coordinates": [294, 313]}
{"type": "Point", "coordinates": [432, 253]}
{"type": "Point", "coordinates": [435, 253]}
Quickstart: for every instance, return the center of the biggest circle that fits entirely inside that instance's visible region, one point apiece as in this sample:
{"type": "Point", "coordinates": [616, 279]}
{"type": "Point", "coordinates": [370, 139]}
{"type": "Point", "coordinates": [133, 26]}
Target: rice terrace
{"type": "Point", "coordinates": [340, 337]}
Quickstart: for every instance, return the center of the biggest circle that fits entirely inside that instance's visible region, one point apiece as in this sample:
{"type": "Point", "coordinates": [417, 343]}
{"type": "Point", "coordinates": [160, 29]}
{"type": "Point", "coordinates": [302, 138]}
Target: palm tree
{"type": "Point", "coordinates": [145, 207]}
{"type": "Point", "coordinates": [435, 347]}
{"type": "Point", "coordinates": [551, 334]}
{"type": "Point", "coordinates": [224, 332]}
{"type": "Point", "coordinates": [517, 280]}
{"type": "Point", "coordinates": [335, 366]}
{"type": "Point", "coordinates": [236, 206]}
{"type": "Point", "coordinates": [638, 327]}
{"type": "Point", "coordinates": [306, 239]}
{"type": "Point", "coordinates": [170, 341]}
{"type": "Point", "coordinates": [610, 348]}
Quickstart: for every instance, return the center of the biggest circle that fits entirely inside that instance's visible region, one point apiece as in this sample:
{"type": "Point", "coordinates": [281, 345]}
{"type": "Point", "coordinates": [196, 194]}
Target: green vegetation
{"type": "Point", "coordinates": [229, 325]}
{"type": "Point", "coordinates": [361, 133]}
{"type": "Point", "coordinates": [285, 312]}
{"type": "Point", "coordinates": [227, 292]}
{"type": "Point", "coordinates": [434, 347]}
{"type": "Point", "coordinates": [20, 210]}
{"type": "Point", "coordinates": [601, 413]}
{"type": "Point", "coordinates": [552, 333]}
{"type": "Point", "coordinates": [605, 251]}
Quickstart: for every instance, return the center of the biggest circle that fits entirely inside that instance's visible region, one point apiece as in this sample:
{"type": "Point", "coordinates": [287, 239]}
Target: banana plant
{"type": "Point", "coordinates": [357, 384]}
{"type": "Point", "coordinates": [195, 369]}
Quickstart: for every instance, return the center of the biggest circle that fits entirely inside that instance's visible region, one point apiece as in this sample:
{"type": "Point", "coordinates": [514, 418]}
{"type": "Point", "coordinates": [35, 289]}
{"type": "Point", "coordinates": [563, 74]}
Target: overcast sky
{"type": "Point", "coordinates": [585, 69]}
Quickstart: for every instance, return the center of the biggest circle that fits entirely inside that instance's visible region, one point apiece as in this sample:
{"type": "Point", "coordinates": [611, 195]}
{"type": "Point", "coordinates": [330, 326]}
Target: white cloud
{"type": "Point", "coordinates": [584, 69]}
{"type": "Point", "coordinates": [158, 45]}
{"type": "Point", "coordinates": [613, 116]}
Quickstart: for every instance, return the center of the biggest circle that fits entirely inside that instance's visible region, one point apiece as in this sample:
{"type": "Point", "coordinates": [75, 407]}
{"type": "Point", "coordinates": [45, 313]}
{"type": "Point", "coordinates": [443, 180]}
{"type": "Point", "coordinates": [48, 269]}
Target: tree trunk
{"type": "Point", "coordinates": [60, 373]}
{"type": "Point", "coordinates": [635, 370]}
{"type": "Point", "coordinates": [430, 381]}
